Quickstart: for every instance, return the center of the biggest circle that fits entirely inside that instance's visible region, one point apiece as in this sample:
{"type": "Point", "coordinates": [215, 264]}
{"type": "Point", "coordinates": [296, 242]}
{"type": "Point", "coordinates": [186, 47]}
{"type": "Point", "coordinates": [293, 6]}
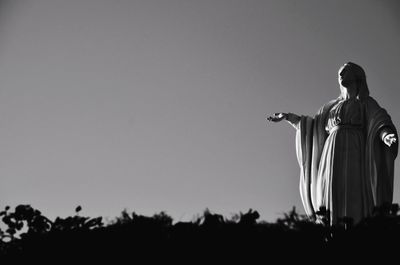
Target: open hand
{"type": "Point", "coordinates": [389, 139]}
{"type": "Point", "coordinates": [276, 117]}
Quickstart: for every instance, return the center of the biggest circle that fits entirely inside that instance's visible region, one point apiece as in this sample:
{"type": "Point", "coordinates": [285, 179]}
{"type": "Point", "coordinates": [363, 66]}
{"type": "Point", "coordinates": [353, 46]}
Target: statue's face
{"type": "Point", "coordinates": [346, 77]}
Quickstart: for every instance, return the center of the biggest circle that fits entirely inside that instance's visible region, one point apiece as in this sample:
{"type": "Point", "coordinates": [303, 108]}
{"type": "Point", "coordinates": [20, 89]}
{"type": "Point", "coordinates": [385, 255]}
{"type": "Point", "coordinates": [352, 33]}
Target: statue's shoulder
{"type": "Point", "coordinates": [371, 102]}
{"type": "Point", "coordinates": [327, 106]}
{"type": "Point", "coordinates": [376, 114]}
{"type": "Point", "coordinates": [372, 107]}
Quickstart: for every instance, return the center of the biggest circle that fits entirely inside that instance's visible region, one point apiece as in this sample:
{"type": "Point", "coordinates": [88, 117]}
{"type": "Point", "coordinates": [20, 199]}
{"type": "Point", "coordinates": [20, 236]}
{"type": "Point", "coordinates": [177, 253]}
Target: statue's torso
{"type": "Point", "coordinates": [345, 112]}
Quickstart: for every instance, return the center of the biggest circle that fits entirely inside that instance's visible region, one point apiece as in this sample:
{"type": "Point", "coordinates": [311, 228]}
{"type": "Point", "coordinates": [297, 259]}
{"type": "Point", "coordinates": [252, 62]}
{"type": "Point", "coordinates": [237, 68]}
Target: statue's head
{"type": "Point", "coordinates": [352, 76]}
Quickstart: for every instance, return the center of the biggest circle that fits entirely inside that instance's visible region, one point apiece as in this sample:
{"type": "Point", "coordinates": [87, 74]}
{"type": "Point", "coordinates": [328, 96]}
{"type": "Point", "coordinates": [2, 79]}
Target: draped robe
{"type": "Point", "coordinates": [344, 164]}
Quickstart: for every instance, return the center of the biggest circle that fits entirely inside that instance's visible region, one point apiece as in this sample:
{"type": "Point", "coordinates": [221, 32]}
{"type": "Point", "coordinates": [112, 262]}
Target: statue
{"type": "Point", "coordinates": [346, 152]}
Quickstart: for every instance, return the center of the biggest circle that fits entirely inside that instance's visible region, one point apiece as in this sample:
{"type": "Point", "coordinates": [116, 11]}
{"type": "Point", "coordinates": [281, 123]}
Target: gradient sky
{"type": "Point", "coordinates": [160, 105]}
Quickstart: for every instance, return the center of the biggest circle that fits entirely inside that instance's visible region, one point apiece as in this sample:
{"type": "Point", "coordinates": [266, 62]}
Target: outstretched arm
{"type": "Point", "coordinates": [291, 118]}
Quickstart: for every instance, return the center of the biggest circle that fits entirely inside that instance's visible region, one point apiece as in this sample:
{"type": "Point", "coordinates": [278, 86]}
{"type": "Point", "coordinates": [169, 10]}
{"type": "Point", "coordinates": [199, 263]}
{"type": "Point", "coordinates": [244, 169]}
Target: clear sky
{"type": "Point", "coordinates": [160, 105]}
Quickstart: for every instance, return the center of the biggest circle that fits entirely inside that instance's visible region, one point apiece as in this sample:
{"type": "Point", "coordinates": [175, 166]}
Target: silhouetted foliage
{"type": "Point", "coordinates": [29, 234]}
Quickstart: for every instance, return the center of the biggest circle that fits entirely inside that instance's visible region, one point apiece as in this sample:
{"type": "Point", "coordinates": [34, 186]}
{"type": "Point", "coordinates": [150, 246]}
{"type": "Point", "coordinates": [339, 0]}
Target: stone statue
{"type": "Point", "coordinates": [346, 152]}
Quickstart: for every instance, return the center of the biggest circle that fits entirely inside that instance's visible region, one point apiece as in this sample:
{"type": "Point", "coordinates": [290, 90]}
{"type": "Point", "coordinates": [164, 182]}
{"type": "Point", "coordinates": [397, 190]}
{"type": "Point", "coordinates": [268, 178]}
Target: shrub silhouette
{"type": "Point", "coordinates": [29, 234]}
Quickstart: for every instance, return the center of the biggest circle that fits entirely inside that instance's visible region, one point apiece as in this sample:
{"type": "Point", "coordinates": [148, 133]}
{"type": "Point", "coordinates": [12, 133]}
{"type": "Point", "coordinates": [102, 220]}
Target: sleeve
{"type": "Point", "coordinates": [304, 145]}
{"type": "Point", "coordinates": [380, 158]}
{"type": "Point", "coordinates": [293, 120]}
{"type": "Point", "coordinates": [310, 140]}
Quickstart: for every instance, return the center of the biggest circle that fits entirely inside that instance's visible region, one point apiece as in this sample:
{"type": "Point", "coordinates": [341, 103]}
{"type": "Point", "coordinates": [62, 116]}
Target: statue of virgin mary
{"type": "Point", "coordinates": [346, 152]}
